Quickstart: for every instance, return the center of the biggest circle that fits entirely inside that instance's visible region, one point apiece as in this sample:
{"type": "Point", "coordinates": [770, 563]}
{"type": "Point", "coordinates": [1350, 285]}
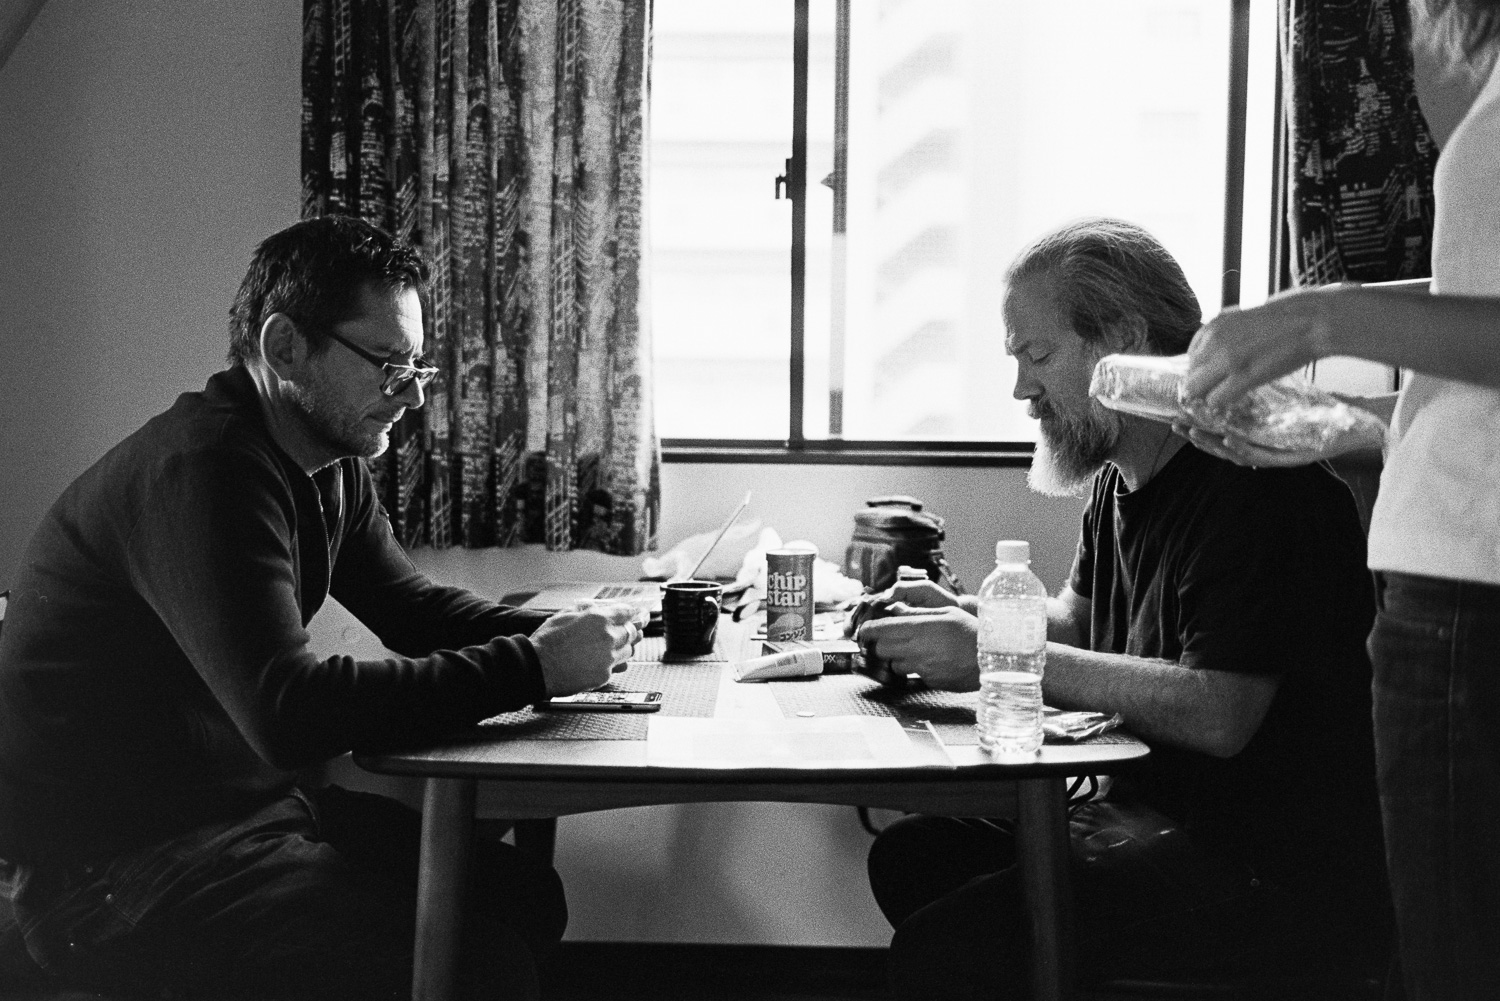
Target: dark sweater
{"type": "Point", "coordinates": [154, 665]}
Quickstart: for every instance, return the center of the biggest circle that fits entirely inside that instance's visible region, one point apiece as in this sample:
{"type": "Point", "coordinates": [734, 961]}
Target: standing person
{"type": "Point", "coordinates": [1222, 612]}
{"type": "Point", "coordinates": [158, 696]}
{"type": "Point", "coordinates": [1435, 530]}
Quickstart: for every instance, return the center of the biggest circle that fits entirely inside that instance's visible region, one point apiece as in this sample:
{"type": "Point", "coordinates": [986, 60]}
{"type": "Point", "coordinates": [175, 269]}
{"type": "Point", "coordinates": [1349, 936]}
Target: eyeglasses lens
{"type": "Point", "coordinates": [399, 379]}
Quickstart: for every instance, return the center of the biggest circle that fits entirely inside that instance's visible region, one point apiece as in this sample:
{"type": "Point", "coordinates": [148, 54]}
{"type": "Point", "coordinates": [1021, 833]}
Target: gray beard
{"type": "Point", "coordinates": [1071, 450]}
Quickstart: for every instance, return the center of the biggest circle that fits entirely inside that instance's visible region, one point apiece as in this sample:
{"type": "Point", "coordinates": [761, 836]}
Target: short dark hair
{"type": "Point", "coordinates": [313, 272]}
{"type": "Point", "coordinates": [1112, 276]}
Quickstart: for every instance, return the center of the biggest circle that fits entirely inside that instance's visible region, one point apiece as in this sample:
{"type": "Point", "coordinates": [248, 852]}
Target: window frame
{"type": "Point", "coordinates": [796, 447]}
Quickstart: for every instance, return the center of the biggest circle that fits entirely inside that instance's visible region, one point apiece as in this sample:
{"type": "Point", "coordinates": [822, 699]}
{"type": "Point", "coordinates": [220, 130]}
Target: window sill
{"type": "Point", "coordinates": [847, 453]}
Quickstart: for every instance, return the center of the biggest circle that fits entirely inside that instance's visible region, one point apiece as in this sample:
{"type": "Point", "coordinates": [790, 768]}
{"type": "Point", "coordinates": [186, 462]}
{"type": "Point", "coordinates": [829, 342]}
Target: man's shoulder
{"type": "Point", "coordinates": [197, 426]}
{"type": "Point", "coordinates": [1267, 495]}
{"type": "Point", "coordinates": [1218, 512]}
{"type": "Point", "coordinates": [197, 432]}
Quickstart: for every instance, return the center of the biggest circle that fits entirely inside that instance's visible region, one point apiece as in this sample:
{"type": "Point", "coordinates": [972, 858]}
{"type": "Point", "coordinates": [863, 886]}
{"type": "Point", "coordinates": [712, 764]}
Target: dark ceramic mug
{"type": "Point", "coordinates": [690, 616]}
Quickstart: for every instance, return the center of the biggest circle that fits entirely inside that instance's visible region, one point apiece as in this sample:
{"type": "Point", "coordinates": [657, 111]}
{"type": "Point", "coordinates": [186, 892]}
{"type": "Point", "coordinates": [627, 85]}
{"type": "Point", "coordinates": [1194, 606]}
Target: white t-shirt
{"type": "Point", "coordinates": [1438, 510]}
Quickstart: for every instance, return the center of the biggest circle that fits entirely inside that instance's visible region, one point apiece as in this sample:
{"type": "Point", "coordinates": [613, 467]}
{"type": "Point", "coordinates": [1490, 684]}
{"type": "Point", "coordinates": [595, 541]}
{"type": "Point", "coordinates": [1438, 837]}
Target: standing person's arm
{"type": "Point", "coordinates": [1449, 336]}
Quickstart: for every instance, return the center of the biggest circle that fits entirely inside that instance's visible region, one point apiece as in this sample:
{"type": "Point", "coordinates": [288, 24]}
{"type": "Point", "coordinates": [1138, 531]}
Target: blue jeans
{"type": "Point", "coordinates": [313, 896]}
{"type": "Point", "coordinates": [1436, 654]}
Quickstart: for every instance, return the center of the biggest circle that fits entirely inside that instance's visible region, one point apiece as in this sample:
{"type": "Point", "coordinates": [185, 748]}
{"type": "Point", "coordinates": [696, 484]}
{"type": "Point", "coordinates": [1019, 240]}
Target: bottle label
{"type": "Point", "coordinates": [1014, 626]}
{"type": "Point", "coordinates": [1021, 632]}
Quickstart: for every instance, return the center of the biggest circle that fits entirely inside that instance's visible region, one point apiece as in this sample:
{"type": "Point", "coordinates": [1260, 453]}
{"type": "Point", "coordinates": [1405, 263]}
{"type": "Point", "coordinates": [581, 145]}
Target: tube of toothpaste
{"type": "Point", "coordinates": [800, 663]}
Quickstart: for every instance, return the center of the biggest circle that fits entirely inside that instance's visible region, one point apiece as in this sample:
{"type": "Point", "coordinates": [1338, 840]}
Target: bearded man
{"type": "Point", "coordinates": [1222, 612]}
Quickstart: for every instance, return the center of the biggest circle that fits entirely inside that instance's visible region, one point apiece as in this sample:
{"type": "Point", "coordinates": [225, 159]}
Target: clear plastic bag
{"type": "Point", "coordinates": [1287, 415]}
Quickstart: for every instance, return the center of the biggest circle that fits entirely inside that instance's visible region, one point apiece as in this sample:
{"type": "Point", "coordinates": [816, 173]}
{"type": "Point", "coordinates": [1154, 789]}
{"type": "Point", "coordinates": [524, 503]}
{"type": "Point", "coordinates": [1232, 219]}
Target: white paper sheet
{"type": "Point", "coordinates": [823, 742]}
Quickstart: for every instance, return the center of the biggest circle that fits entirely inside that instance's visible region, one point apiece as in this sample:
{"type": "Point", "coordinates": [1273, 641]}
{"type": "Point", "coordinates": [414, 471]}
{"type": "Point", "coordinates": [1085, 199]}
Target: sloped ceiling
{"type": "Point", "coordinates": [15, 17]}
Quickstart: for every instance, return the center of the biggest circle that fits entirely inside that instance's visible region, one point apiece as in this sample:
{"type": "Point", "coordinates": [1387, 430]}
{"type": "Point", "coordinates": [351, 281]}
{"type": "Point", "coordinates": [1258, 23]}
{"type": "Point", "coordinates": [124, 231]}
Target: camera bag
{"type": "Point", "coordinates": [893, 531]}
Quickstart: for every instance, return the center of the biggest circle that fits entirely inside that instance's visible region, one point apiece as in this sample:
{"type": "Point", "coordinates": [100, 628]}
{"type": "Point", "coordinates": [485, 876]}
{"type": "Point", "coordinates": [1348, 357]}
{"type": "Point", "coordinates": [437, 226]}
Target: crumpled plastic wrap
{"type": "Point", "coordinates": [1287, 415]}
{"type": "Point", "coordinates": [1060, 724]}
{"type": "Point", "coordinates": [678, 562]}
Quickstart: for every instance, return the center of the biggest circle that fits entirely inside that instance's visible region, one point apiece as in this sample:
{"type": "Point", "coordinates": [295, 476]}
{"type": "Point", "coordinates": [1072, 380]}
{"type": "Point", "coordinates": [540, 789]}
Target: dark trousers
{"type": "Point", "coordinates": [1436, 653]}
{"type": "Point", "coordinates": [1150, 903]}
{"type": "Point", "coordinates": [312, 897]}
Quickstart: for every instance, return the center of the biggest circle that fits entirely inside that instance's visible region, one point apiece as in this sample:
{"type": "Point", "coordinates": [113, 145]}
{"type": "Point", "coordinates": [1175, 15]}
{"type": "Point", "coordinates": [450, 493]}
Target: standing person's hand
{"type": "Point", "coordinates": [579, 650]}
{"type": "Point", "coordinates": [1234, 447]}
{"type": "Point", "coordinates": [1243, 348]}
{"type": "Point", "coordinates": [940, 644]}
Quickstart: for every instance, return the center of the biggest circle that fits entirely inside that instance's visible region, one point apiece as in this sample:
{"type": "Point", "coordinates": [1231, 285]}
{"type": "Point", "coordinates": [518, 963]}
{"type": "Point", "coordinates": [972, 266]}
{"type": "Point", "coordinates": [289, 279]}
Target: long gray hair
{"type": "Point", "coordinates": [1113, 278]}
{"type": "Point", "coordinates": [1473, 24]}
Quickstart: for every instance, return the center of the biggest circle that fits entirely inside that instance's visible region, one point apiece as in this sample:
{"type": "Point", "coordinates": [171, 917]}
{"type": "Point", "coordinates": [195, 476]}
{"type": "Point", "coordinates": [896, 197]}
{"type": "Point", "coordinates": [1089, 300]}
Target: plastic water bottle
{"type": "Point", "coordinates": [1012, 653]}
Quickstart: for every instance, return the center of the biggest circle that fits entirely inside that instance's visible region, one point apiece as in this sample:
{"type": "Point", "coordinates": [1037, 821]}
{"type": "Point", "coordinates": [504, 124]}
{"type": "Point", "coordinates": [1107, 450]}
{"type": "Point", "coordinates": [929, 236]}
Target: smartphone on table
{"type": "Point", "coordinates": [619, 702]}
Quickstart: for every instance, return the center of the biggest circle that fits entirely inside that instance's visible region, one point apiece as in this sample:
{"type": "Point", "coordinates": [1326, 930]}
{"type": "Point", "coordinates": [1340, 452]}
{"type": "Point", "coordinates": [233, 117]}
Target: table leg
{"type": "Point", "coordinates": [447, 834]}
{"type": "Point", "coordinates": [1042, 840]}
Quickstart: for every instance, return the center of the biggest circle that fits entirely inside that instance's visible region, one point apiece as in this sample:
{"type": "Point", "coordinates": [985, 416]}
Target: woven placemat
{"type": "Point", "coordinates": [950, 713]}
{"type": "Point", "coordinates": [687, 690]}
{"type": "Point", "coordinates": [653, 649]}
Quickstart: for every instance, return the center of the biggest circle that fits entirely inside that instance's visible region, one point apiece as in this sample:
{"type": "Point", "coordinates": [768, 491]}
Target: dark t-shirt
{"type": "Point", "coordinates": [1223, 568]}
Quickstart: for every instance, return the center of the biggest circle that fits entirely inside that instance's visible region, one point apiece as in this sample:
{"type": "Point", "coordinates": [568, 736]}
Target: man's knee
{"type": "Point", "coordinates": [522, 890]}
{"type": "Point", "coordinates": [895, 871]}
{"type": "Point", "coordinates": [916, 860]}
{"type": "Point", "coordinates": [971, 943]}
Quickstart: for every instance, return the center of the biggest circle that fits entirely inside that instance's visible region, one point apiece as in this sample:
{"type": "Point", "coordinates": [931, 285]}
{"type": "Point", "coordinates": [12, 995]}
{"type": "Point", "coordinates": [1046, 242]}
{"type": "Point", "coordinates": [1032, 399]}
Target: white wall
{"type": "Point", "coordinates": [145, 147]}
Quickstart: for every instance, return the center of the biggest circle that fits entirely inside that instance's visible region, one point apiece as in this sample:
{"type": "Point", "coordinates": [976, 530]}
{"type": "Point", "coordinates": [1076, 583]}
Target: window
{"type": "Point", "coordinates": [968, 128]}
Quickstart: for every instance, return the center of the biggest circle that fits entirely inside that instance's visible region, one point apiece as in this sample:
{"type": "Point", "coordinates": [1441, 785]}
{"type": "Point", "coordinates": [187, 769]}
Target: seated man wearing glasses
{"type": "Point", "coordinates": [158, 696]}
{"type": "Point", "coordinates": [1221, 611]}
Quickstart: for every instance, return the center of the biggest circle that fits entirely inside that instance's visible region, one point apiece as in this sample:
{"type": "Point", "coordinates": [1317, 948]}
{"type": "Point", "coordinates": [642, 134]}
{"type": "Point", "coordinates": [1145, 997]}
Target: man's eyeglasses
{"type": "Point", "coordinates": [398, 378]}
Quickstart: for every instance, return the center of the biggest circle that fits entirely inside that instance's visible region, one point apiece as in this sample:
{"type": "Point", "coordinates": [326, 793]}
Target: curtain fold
{"type": "Point", "coordinates": [1360, 160]}
{"type": "Point", "coordinates": [507, 138]}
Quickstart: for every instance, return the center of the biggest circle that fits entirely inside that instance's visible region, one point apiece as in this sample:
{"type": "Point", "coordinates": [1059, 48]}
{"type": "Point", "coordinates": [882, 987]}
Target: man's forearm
{"type": "Point", "coordinates": [1215, 712]}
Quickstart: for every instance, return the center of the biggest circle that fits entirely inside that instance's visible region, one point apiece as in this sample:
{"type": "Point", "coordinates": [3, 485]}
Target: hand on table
{"type": "Point", "coordinates": [579, 650]}
{"type": "Point", "coordinates": [901, 598]}
{"type": "Point", "coordinates": [937, 643]}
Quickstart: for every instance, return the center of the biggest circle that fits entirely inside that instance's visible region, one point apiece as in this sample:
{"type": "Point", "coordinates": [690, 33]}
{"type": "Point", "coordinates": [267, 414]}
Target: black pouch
{"type": "Point", "coordinates": [892, 532]}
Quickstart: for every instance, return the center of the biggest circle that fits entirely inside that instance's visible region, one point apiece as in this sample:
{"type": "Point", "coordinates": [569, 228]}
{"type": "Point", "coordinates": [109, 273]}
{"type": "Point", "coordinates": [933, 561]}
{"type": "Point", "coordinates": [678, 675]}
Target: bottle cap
{"type": "Point", "coordinates": [1012, 551]}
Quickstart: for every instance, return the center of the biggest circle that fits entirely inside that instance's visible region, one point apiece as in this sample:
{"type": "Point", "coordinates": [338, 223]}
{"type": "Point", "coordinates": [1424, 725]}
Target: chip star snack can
{"type": "Point", "coordinates": [789, 594]}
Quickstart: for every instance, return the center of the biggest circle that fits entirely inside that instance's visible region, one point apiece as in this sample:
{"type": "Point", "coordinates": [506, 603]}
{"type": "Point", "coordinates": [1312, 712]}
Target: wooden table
{"type": "Point", "coordinates": [541, 778]}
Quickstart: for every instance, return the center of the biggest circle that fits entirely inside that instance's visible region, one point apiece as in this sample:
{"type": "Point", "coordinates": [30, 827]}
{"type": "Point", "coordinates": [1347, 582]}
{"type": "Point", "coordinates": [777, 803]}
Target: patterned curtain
{"type": "Point", "coordinates": [506, 138]}
{"type": "Point", "coordinates": [1359, 170]}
